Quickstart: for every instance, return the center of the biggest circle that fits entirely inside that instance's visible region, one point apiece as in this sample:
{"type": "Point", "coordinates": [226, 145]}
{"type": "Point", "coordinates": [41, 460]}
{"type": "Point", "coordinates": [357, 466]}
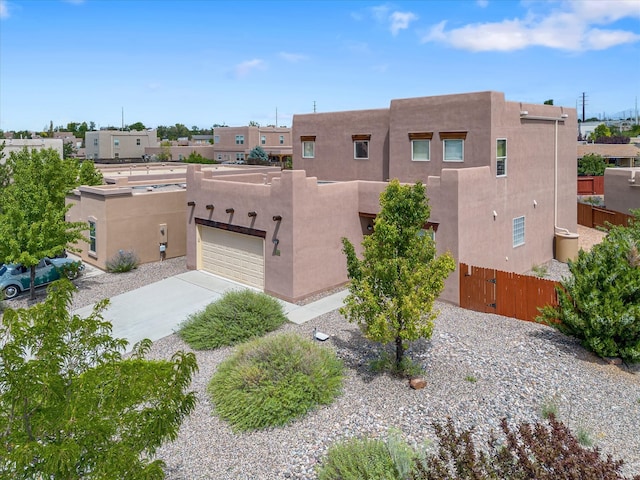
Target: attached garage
{"type": "Point", "coordinates": [233, 255]}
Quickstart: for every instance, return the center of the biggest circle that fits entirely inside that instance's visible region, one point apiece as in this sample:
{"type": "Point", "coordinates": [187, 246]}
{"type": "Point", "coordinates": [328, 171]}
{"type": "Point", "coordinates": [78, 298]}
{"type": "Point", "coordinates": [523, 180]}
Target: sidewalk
{"type": "Point", "coordinates": [155, 311]}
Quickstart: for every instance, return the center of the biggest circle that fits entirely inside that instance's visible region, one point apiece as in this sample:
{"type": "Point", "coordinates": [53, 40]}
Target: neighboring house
{"type": "Point", "coordinates": [500, 178]}
{"type": "Point", "coordinates": [622, 189]}
{"type": "Point", "coordinates": [178, 153]}
{"type": "Point", "coordinates": [142, 208]}
{"type": "Point", "coordinates": [233, 144]}
{"type": "Point", "coordinates": [119, 145]}
{"type": "Point", "coordinates": [615, 154]}
{"type": "Point", "coordinates": [17, 144]}
{"type": "Point", "coordinates": [201, 140]}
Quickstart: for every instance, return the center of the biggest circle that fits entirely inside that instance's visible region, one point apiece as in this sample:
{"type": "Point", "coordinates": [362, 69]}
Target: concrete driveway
{"type": "Point", "coordinates": [155, 311]}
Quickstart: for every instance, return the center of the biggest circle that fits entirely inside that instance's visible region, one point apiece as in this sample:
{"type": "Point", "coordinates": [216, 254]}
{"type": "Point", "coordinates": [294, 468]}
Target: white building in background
{"type": "Point", "coordinates": [17, 144]}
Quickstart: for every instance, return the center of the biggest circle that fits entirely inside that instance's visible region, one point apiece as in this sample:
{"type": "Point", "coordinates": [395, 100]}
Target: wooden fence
{"type": "Point", "coordinates": [591, 185]}
{"type": "Point", "coordinates": [505, 293]}
{"type": "Point", "coordinates": [594, 217]}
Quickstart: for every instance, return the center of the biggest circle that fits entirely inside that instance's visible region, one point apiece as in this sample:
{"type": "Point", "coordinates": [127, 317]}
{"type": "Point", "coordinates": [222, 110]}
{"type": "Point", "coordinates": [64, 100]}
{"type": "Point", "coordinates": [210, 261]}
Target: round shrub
{"type": "Point", "coordinates": [238, 316]}
{"type": "Point", "coordinates": [122, 262]}
{"type": "Point", "coordinates": [269, 381]}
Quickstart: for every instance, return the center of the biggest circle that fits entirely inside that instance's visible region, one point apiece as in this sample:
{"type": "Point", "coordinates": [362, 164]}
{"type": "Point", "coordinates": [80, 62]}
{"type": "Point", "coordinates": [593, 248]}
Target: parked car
{"type": "Point", "coordinates": [15, 278]}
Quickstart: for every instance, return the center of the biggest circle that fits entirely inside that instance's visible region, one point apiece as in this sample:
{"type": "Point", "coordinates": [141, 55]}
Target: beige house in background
{"type": "Point", "coordinates": [500, 178]}
{"type": "Point", "coordinates": [233, 144]}
{"type": "Point", "coordinates": [118, 145]}
{"type": "Point", "coordinates": [17, 144]}
{"type": "Point", "coordinates": [619, 155]}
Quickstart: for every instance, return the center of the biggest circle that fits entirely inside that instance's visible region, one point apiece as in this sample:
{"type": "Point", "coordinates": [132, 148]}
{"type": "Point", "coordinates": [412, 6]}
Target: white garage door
{"type": "Point", "coordinates": [232, 255]}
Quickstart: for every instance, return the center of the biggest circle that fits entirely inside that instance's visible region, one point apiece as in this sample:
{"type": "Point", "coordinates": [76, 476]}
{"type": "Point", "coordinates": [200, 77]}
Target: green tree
{"type": "Point", "coordinates": [32, 220]}
{"type": "Point", "coordinates": [89, 174]}
{"type": "Point", "coordinates": [599, 304]}
{"type": "Point", "coordinates": [68, 150]}
{"type": "Point", "coordinates": [72, 407]}
{"type": "Point", "coordinates": [549, 102]}
{"type": "Point", "coordinates": [253, 123]}
{"type": "Point", "coordinates": [600, 131]}
{"type": "Point", "coordinates": [257, 156]}
{"type": "Point", "coordinates": [592, 164]}
{"type": "Point", "coordinates": [139, 126]}
{"type": "Point", "coordinates": [165, 152]}
{"type": "Point", "coordinates": [394, 286]}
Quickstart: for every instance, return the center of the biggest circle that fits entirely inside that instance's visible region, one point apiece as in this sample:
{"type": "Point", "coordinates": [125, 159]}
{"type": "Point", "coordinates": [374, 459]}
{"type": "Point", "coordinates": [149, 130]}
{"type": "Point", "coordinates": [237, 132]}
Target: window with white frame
{"type": "Point", "coordinates": [308, 146]}
{"type": "Point", "coordinates": [453, 146]}
{"type": "Point", "coordinates": [361, 146]}
{"type": "Point", "coordinates": [92, 236]}
{"type": "Point", "coordinates": [518, 231]}
{"type": "Point", "coordinates": [421, 146]}
{"type": "Point", "coordinates": [501, 157]}
{"type": "Point", "coordinates": [239, 139]}
{"type": "Point", "coordinates": [263, 139]}
{"type": "Point", "coordinates": [281, 139]}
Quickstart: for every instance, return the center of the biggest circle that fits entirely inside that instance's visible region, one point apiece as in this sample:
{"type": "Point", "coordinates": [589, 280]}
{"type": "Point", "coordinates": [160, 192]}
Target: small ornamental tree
{"type": "Point", "coordinates": [71, 406]}
{"type": "Point", "coordinates": [600, 303]}
{"type": "Point", "coordinates": [394, 286]}
{"type": "Point", "coordinates": [258, 156]}
{"type": "Point", "coordinates": [592, 164]}
{"type": "Point", "coordinates": [89, 174]}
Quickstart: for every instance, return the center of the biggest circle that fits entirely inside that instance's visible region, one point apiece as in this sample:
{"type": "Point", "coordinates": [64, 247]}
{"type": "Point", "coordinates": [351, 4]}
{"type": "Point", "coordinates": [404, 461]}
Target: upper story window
{"type": "Point", "coordinates": [501, 157]}
{"type": "Point", "coordinates": [263, 139]}
{"type": "Point", "coordinates": [239, 139]}
{"type": "Point", "coordinates": [216, 139]}
{"type": "Point", "coordinates": [518, 231]}
{"type": "Point", "coordinates": [421, 146]}
{"type": "Point", "coordinates": [95, 142]}
{"type": "Point", "coordinates": [308, 146]}
{"type": "Point", "coordinates": [116, 142]}
{"type": "Point", "coordinates": [137, 141]}
{"type": "Point", "coordinates": [281, 139]}
{"type": "Point", "coordinates": [453, 146]}
{"type": "Point", "coordinates": [361, 146]}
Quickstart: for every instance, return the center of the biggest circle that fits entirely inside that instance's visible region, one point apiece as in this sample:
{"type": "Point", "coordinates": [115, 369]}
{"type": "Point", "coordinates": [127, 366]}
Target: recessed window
{"type": "Point", "coordinates": [216, 139]}
{"type": "Point", "coordinates": [263, 139]}
{"type": "Point", "coordinates": [116, 155]}
{"type": "Point", "coordinates": [239, 139]}
{"type": "Point", "coordinates": [116, 142]}
{"type": "Point", "coordinates": [219, 156]}
{"type": "Point", "coordinates": [281, 139]}
{"type": "Point", "coordinates": [361, 149]}
{"type": "Point", "coordinates": [518, 231]}
{"type": "Point", "coordinates": [92, 236]}
{"type": "Point", "coordinates": [308, 146]}
{"type": "Point", "coordinates": [501, 157]}
{"type": "Point", "coordinates": [453, 150]}
{"type": "Point", "coordinates": [137, 141]}
{"type": "Point", "coordinates": [420, 150]}
{"type": "Point", "coordinates": [95, 142]}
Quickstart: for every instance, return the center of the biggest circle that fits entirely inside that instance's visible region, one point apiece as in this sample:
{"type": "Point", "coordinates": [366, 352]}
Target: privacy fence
{"type": "Point", "coordinates": [505, 293]}
{"type": "Point", "coordinates": [593, 217]}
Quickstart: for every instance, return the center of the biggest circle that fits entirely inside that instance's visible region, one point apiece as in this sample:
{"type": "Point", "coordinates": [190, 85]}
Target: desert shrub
{"type": "Point", "coordinates": [544, 451]}
{"type": "Point", "coordinates": [270, 381]}
{"type": "Point", "coordinates": [600, 303]}
{"type": "Point", "coordinates": [123, 261]}
{"type": "Point", "coordinates": [237, 316]}
{"type": "Point", "coordinates": [386, 363]}
{"type": "Point", "coordinates": [367, 459]}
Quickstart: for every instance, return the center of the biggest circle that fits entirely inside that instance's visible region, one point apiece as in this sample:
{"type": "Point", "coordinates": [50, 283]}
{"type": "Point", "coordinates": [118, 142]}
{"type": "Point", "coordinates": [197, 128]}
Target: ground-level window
{"type": "Point", "coordinates": [518, 231]}
{"type": "Point", "coordinates": [92, 236]}
{"type": "Point", "coordinates": [501, 157]}
{"type": "Point", "coordinates": [239, 157]}
{"type": "Point", "coordinates": [429, 232]}
{"type": "Point", "coordinates": [420, 150]}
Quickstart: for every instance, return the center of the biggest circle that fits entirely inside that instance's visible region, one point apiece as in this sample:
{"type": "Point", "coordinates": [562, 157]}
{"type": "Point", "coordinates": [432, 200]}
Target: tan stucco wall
{"type": "Point", "coordinates": [17, 144]}
{"type": "Point", "coordinates": [621, 194]}
{"type": "Point", "coordinates": [128, 221]}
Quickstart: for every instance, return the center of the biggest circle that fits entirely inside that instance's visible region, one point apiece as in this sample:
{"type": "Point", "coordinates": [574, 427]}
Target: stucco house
{"type": "Point", "coordinates": [619, 155]}
{"type": "Point", "coordinates": [119, 145]}
{"type": "Point", "coordinates": [17, 144]}
{"type": "Point", "coordinates": [233, 144]}
{"type": "Point", "coordinates": [622, 189]}
{"type": "Point", "coordinates": [500, 177]}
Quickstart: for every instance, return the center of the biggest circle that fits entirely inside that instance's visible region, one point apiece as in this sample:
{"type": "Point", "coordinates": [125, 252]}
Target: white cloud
{"type": "Point", "coordinates": [569, 27]}
{"type": "Point", "coordinates": [400, 21]}
{"type": "Point", "coordinates": [292, 57]}
{"type": "Point", "coordinates": [4, 9]}
{"type": "Point", "coordinates": [245, 68]}
{"type": "Point", "coordinates": [482, 3]}
{"type": "Point", "coordinates": [396, 20]}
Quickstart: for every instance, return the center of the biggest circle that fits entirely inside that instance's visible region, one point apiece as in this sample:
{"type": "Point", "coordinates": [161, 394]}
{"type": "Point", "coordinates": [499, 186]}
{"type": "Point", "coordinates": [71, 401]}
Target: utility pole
{"type": "Point", "coordinates": [584, 103]}
{"type": "Point", "coordinates": [314, 106]}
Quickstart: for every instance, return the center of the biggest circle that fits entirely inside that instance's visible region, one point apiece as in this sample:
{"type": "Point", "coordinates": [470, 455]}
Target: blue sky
{"type": "Point", "coordinates": [204, 62]}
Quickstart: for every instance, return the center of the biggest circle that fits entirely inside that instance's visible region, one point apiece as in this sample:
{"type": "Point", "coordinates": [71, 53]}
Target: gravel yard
{"type": "Point", "coordinates": [480, 368]}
